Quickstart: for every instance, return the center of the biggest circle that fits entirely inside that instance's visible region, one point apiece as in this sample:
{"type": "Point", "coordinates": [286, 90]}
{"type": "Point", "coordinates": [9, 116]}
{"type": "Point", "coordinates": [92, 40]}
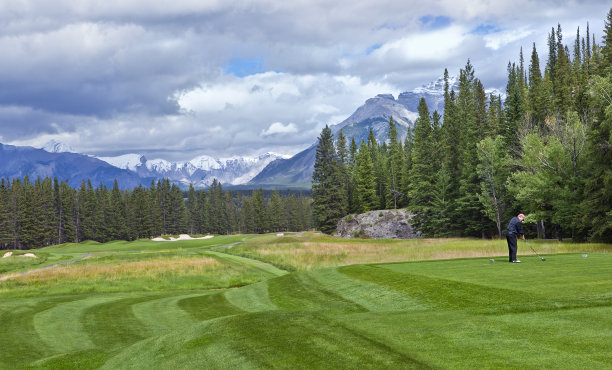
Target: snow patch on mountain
{"type": "Point", "coordinates": [204, 162]}
{"type": "Point", "coordinates": [437, 87]}
{"type": "Point", "coordinates": [126, 161]}
{"type": "Point", "coordinates": [200, 171]}
{"type": "Point", "coordinates": [159, 165]}
{"type": "Point", "coordinates": [54, 146]}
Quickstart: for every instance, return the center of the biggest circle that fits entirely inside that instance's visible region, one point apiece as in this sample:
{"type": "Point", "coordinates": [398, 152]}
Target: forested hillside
{"type": "Point", "coordinates": [47, 212]}
{"type": "Point", "coordinates": [544, 151]}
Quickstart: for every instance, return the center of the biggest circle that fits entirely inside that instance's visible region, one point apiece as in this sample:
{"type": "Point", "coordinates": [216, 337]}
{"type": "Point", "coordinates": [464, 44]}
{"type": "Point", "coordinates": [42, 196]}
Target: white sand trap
{"type": "Point", "coordinates": [181, 237]}
{"type": "Point", "coordinates": [31, 255]}
{"type": "Point", "coordinates": [7, 254]}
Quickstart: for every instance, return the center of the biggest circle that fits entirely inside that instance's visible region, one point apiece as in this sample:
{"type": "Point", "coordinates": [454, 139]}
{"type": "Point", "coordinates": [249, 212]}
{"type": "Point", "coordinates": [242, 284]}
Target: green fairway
{"type": "Point", "coordinates": [190, 304]}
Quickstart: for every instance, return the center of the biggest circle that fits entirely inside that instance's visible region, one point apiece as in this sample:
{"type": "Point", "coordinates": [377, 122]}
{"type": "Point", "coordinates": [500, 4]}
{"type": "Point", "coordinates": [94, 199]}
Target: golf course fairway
{"type": "Point", "coordinates": [193, 305]}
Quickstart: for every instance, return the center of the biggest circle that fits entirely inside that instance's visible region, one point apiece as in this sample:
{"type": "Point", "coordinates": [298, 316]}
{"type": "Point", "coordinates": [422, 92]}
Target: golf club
{"type": "Point", "coordinates": [542, 258]}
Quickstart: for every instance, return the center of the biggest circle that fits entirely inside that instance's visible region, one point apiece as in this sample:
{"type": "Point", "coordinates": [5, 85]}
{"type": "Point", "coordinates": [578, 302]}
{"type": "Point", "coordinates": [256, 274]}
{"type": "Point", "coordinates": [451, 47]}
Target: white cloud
{"type": "Point", "coordinates": [424, 47]}
{"type": "Point", "coordinates": [500, 39]}
{"type": "Point", "coordinates": [279, 128]}
{"type": "Point", "coordinates": [147, 75]}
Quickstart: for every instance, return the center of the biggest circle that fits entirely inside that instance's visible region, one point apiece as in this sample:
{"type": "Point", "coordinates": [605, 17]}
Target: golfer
{"type": "Point", "coordinates": [514, 229]}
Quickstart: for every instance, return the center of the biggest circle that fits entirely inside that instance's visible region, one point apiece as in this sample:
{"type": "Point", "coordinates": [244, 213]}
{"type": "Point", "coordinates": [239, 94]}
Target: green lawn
{"type": "Point", "coordinates": [190, 304]}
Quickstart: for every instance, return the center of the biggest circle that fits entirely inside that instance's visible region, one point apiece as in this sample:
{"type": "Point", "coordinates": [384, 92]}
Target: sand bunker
{"type": "Point", "coordinates": [181, 237]}
{"type": "Point", "coordinates": [8, 254]}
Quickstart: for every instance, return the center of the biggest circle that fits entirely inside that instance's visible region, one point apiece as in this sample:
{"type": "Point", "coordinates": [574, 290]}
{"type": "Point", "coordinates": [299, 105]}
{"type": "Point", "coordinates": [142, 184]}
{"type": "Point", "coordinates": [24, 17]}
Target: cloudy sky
{"type": "Point", "coordinates": [177, 79]}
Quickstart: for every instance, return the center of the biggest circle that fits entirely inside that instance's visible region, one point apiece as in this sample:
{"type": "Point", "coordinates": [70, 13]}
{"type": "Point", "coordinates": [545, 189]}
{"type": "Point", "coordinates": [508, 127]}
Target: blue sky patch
{"type": "Point", "coordinates": [244, 67]}
{"type": "Point", "coordinates": [433, 22]}
{"type": "Point", "coordinates": [484, 29]}
{"type": "Point", "coordinates": [373, 48]}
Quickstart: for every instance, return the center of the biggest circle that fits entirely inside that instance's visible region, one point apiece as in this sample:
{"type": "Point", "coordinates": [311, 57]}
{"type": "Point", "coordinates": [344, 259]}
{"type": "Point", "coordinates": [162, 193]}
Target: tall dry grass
{"type": "Point", "coordinates": [153, 268]}
{"type": "Point", "coordinates": [323, 251]}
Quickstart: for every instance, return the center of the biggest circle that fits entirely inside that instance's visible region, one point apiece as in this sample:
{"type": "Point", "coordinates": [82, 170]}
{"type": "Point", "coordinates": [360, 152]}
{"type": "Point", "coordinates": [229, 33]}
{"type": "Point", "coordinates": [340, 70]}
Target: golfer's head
{"type": "Point", "coordinates": [521, 217]}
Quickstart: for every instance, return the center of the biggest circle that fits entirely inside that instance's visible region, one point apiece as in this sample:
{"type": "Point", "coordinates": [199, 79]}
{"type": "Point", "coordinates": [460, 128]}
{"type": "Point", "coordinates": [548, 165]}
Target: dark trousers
{"type": "Point", "coordinates": [511, 238]}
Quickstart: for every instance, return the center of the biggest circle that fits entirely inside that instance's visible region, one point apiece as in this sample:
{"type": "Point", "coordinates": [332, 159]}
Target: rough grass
{"type": "Point", "coordinates": [155, 268]}
{"type": "Point", "coordinates": [454, 313]}
{"type": "Point", "coordinates": [313, 250]}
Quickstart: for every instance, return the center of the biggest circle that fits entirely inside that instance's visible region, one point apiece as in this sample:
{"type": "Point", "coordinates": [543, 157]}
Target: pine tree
{"type": "Point", "coordinates": [406, 166]}
{"type": "Point", "coordinates": [193, 208]}
{"type": "Point", "coordinates": [5, 237]}
{"type": "Point", "coordinates": [365, 183]}
{"type": "Point", "coordinates": [328, 192]}
{"type": "Point", "coordinates": [470, 214]}
{"type": "Point", "coordinates": [277, 217]}
{"type": "Point", "coordinates": [260, 211]}
{"type": "Point", "coordinates": [422, 172]}
{"type": "Point", "coordinates": [46, 215]}
{"type": "Point", "coordinates": [15, 198]}
{"type": "Point", "coordinates": [379, 169]}
{"type": "Point", "coordinates": [157, 224]}
{"type": "Point", "coordinates": [352, 199]}
{"type": "Point", "coordinates": [394, 160]}
{"type": "Point", "coordinates": [514, 108]}
{"type": "Point", "coordinates": [27, 231]}
{"type": "Point", "coordinates": [606, 50]}
{"type": "Point", "coordinates": [116, 215]}
{"type": "Point", "coordinates": [141, 206]}
{"type": "Point", "coordinates": [66, 206]}
{"type": "Point", "coordinates": [229, 209]}
{"type": "Point", "coordinates": [562, 80]}
{"type": "Point", "coordinates": [538, 102]}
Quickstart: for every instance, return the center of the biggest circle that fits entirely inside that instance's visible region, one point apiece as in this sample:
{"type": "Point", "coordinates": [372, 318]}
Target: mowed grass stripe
{"type": "Point", "coordinates": [276, 339]}
{"type": "Point", "coordinates": [22, 342]}
{"type": "Point", "coordinates": [299, 340]}
{"type": "Point", "coordinates": [113, 324]}
{"type": "Point", "coordinates": [251, 298]}
{"type": "Point", "coordinates": [561, 275]}
{"type": "Point", "coordinates": [163, 314]}
{"type": "Point", "coordinates": [209, 306]}
{"type": "Point", "coordinates": [299, 291]}
{"type": "Point", "coordinates": [436, 292]}
{"type": "Point", "coordinates": [443, 338]}
{"type": "Point", "coordinates": [243, 261]}
{"type": "Point", "coordinates": [191, 348]}
{"type": "Point", "coordinates": [61, 326]}
{"type": "Point", "coordinates": [371, 296]}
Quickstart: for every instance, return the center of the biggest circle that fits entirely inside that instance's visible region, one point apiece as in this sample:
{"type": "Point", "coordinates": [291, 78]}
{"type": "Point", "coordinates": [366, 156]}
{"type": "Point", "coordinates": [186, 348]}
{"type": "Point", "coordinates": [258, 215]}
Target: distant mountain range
{"type": "Point", "coordinates": [268, 170]}
{"type": "Point", "coordinates": [19, 161]}
{"type": "Point", "coordinates": [200, 171]}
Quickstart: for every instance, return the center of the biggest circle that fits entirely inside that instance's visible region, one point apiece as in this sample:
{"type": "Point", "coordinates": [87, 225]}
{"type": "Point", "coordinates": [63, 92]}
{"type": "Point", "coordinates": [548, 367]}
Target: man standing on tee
{"type": "Point", "coordinates": [514, 229]}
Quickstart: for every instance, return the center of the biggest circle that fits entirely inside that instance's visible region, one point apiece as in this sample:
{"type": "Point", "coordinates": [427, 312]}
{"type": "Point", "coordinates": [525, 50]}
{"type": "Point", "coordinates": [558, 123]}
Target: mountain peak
{"type": "Point", "coordinates": [437, 87]}
{"type": "Point", "coordinates": [54, 146]}
{"type": "Point", "coordinates": [126, 161]}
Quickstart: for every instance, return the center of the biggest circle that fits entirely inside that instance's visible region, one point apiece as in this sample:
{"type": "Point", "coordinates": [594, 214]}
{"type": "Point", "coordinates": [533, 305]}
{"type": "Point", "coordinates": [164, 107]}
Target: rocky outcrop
{"type": "Point", "coordinates": [385, 224]}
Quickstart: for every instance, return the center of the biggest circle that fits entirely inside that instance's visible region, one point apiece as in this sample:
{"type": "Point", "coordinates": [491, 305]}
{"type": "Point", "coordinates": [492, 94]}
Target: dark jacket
{"type": "Point", "coordinates": [514, 227]}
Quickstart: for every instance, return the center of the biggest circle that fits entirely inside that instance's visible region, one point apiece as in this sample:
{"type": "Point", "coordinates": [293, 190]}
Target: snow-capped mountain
{"type": "Point", "coordinates": [19, 161]}
{"type": "Point", "coordinates": [53, 146]}
{"type": "Point", "coordinates": [373, 114]}
{"type": "Point", "coordinates": [200, 171]}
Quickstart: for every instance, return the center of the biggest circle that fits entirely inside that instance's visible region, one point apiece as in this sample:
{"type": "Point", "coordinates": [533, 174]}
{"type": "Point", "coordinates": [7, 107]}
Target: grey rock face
{"type": "Point", "coordinates": [385, 224]}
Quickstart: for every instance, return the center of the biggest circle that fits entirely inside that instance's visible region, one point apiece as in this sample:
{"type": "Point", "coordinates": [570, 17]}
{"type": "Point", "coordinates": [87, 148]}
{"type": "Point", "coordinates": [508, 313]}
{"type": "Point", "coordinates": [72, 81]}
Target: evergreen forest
{"type": "Point", "coordinates": [543, 150]}
{"type": "Point", "coordinates": [47, 212]}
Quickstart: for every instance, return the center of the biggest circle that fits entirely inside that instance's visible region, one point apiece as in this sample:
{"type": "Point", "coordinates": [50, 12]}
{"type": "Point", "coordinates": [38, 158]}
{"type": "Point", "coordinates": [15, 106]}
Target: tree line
{"type": "Point", "coordinates": [545, 150]}
{"type": "Point", "coordinates": [48, 212]}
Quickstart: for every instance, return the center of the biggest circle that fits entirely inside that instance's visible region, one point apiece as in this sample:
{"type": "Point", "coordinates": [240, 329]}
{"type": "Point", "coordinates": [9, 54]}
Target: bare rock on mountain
{"type": "Point", "coordinates": [385, 224]}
